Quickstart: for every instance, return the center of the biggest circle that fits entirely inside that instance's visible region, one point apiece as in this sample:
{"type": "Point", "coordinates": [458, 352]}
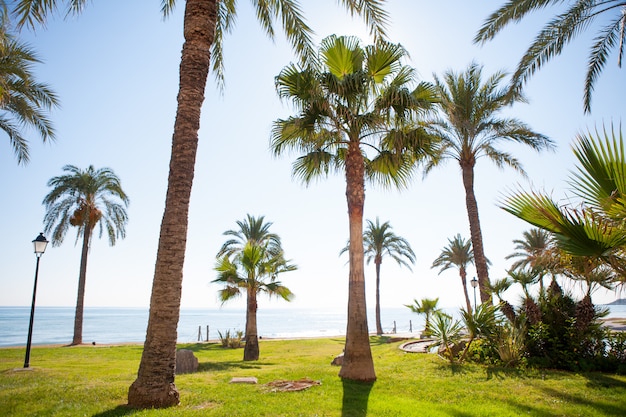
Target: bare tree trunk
{"type": "Point", "coordinates": [379, 326]}
{"type": "Point", "coordinates": [357, 360]}
{"type": "Point", "coordinates": [477, 239]}
{"type": "Point", "coordinates": [154, 386]}
{"type": "Point", "coordinates": [463, 274]}
{"type": "Point", "coordinates": [251, 350]}
{"type": "Point", "coordinates": [82, 279]}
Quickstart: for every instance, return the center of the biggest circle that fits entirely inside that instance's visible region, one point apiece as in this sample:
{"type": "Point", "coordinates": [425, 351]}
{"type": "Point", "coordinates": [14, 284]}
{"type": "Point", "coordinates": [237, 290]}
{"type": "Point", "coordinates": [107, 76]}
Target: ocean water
{"type": "Point", "coordinates": [55, 325]}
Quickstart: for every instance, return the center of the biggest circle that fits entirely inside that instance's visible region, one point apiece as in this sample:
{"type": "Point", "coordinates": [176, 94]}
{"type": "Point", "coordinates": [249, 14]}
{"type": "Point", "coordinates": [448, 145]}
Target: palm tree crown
{"type": "Point", "coordinates": [578, 16]}
{"type": "Point", "coordinates": [85, 199]}
{"type": "Point", "coordinates": [533, 250]}
{"type": "Point", "coordinates": [251, 230]}
{"type": "Point", "coordinates": [427, 307]}
{"type": "Point", "coordinates": [24, 102]}
{"type": "Point", "coordinates": [380, 241]}
{"type": "Point", "coordinates": [470, 127]}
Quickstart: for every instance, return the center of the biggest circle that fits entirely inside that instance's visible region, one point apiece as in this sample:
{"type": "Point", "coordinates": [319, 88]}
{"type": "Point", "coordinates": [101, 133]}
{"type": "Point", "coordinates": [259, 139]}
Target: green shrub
{"type": "Point", "coordinates": [229, 340]}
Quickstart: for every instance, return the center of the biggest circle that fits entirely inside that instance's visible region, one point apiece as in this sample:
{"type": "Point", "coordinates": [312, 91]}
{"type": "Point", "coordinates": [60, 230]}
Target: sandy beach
{"type": "Point", "coordinates": [616, 323]}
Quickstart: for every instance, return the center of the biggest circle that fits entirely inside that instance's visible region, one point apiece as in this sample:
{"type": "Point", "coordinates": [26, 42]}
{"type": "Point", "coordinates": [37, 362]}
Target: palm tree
{"type": "Point", "coordinates": [446, 333]}
{"type": "Point", "coordinates": [535, 251]}
{"type": "Point", "coordinates": [379, 241]}
{"type": "Point", "coordinates": [205, 24]}
{"type": "Point", "coordinates": [85, 199]}
{"type": "Point", "coordinates": [253, 230]}
{"type": "Point", "coordinates": [480, 322]}
{"type": "Point", "coordinates": [469, 128]}
{"type": "Point", "coordinates": [594, 229]}
{"type": "Point", "coordinates": [427, 307]}
{"type": "Point", "coordinates": [558, 32]}
{"type": "Point", "coordinates": [458, 254]}
{"type": "Point", "coordinates": [358, 102]}
{"type": "Point", "coordinates": [526, 277]}
{"type": "Point", "coordinates": [24, 102]}
{"type": "Point", "coordinates": [252, 256]}
{"type": "Point", "coordinates": [252, 269]}
{"type": "Point", "coordinates": [497, 288]}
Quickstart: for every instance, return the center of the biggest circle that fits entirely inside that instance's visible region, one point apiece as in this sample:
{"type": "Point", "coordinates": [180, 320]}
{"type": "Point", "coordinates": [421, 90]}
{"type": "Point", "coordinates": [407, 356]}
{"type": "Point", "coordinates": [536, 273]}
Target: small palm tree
{"type": "Point", "coordinates": [470, 127]}
{"type": "Point", "coordinates": [85, 199]}
{"type": "Point", "coordinates": [427, 307]}
{"type": "Point", "coordinates": [379, 241]}
{"type": "Point", "coordinates": [497, 288]}
{"type": "Point", "coordinates": [446, 333]}
{"type": "Point", "coordinates": [558, 32]}
{"type": "Point", "coordinates": [24, 102]}
{"type": "Point", "coordinates": [481, 322]}
{"type": "Point", "coordinates": [536, 251]}
{"type": "Point", "coordinates": [525, 277]}
{"type": "Point", "coordinates": [458, 254]}
{"type": "Point", "coordinates": [252, 269]}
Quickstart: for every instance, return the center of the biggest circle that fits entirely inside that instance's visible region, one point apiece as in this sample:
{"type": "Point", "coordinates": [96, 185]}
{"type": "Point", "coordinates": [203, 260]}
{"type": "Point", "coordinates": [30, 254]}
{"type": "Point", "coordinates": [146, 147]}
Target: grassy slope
{"type": "Point", "coordinates": [93, 381]}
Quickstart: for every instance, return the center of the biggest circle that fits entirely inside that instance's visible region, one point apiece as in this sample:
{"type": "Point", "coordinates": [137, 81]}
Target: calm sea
{"type": "Point", "coordinates": [55, 325]}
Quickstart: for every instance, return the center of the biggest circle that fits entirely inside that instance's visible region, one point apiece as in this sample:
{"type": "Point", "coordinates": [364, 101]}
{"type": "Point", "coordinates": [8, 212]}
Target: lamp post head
{"type": "Point", "coordinates": [474, 282]}
{"type": "Point", "coordinates": [40, 244]}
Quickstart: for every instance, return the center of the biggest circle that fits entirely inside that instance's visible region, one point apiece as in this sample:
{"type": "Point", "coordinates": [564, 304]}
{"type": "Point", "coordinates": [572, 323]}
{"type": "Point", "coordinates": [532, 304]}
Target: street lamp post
{"type": "Point", "coordinates": [474, 283]}
{"type": "Point", "coordinates": [40, 244]}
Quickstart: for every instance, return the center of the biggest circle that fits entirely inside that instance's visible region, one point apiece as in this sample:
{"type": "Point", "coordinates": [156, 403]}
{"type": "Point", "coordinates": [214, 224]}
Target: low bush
{"type": "Point", "coordinates": [232, 341]}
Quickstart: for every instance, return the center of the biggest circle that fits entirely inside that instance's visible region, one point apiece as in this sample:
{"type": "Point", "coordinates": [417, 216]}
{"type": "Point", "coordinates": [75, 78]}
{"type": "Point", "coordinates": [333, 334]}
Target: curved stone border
{"type": "Point", "coordinates": [417, 346]}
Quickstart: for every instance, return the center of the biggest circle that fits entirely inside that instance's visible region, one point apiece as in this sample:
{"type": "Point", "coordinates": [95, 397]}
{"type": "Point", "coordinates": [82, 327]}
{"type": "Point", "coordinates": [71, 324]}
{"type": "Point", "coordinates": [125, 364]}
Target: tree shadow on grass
{"type": "Point", "coordinates": [225, 366]}
{"type": "Point", "coordinates": [617, 408]}
{"type": "Point", "coordinates": [597, 380]}
{"type": "Point", "coordinates": [355, 398]}
{"type": "Point", "coordinates": [202, 347]}
{"type": "Point", "coordinates": [455, 368]}
{"type": "Point", "coordinates": [501, 373]}
{"type": "Point", "coordinates": [119, 411]}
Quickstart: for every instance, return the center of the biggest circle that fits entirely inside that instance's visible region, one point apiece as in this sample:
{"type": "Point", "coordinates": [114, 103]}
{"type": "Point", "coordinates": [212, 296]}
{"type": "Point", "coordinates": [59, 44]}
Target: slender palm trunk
{"type": "Point", "coordinates": [379, 326]}
{"type": "Point", "coordinates": [357, 360]}
{"type": "Point", "coordinates": [80, 299]}
{"type": "Point", "coordinates": [251, 350]}
{"type": "Point", "coordinates": [480, 260]}
{"type": "Point", "coordinates": [463, 274]}
{"type": "Point", "coordinates": [154, 386]}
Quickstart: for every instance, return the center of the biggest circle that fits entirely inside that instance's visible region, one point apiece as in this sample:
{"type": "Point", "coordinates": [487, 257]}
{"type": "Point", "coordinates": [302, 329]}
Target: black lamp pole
{"type": "Point", "coordinates": [40, 243]}
{"type": "Point", "coordinates": [474, 283]}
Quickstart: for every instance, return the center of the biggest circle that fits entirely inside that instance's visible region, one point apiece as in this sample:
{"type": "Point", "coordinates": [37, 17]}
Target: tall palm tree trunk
{"type": "Point", "coordinates": [463, 274]}
{"type": "Point", "coordinates": [379, 326]}
{"type": "Point", "coordinates": [477, 239]}
{"type": "Point", "coordinates": [154, 386]}
{"type": "Point", "coordinates": [80, 298]}
{"type": "Point", "coordinates": [357, 360]}
{"type": "Point", "coordinates": [251, 350]}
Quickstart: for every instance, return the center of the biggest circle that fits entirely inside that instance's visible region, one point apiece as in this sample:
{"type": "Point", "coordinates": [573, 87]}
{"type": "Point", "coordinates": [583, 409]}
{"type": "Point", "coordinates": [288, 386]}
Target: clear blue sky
{"type": "Point", "coordinates": [115, 68]}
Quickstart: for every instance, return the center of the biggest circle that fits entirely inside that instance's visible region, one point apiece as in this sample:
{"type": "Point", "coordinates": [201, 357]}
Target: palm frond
{"type": "Point", "coordinates": [374, 14]}
{"type": "Point", "coordinates": [600, 177]}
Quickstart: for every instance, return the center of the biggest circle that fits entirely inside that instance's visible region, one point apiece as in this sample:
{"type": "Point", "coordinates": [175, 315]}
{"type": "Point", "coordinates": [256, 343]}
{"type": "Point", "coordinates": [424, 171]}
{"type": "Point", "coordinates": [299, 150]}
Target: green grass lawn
{"type": "Point", "coordinates": [93, 381]}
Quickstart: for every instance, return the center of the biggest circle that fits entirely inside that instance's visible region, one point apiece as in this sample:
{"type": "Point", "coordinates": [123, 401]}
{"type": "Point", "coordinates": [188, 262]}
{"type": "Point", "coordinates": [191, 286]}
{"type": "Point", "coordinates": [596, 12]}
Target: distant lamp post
{"type": "Point", "coordinates": [40, 244]}
{"type": "Point", "coordinates": [474, 283]}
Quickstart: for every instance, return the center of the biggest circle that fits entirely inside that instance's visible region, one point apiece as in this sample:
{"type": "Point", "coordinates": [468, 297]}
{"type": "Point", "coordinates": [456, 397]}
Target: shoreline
{"type": "Point", "coordinates": [617, 324]}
